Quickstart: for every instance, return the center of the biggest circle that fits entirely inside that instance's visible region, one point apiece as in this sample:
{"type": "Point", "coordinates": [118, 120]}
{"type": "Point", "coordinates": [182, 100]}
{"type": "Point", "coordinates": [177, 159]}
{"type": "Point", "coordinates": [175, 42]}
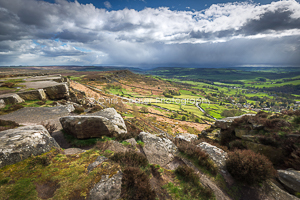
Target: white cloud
{"type": "Point", "coordinates": [152, 35]}
{"type": "Point", "coordinates": [107, 4]}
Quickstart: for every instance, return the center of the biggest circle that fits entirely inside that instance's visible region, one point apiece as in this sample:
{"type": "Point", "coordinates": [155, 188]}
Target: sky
{"type": "Point", "coordinates": [144, 33]}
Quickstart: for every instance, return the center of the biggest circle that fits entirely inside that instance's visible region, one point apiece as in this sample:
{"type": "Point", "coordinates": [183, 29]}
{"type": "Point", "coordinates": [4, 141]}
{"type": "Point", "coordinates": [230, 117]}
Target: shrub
{"type": "Point", "coordinates": [95, 109]}
{"type": "Point", "coordinates": [200, 156]}
{"type": "Point", "coordinates": [136, 185]}
{"type": "Point", "coordinates": [183, 118]}
{"type": "Point", "coordinates": [197, 120]}
{"type": "Point", "coordinates": [39, 160]}
{"type": "Point", "coordinates": [262, 114]}
{"type": "Point", "coordinates": [191, 185]}
{"type": "Point", "coordinates": [144, 109]}
{"type": "Point", "coordinates": [78, 110]}
{"type": "Point", "coordinates": [237, 144]}
{"type": "Point", "coordinates": [226, 137]}
{"type": "Point", "coordinates": [43, 102]}
{"type": "Point", "coordinates": [130, 158]}
{"type": "Point", "coordinates": [269, 141]}
{"type": "Point", "coordinates": [296, 120]}
{"type": "Point", "coordinates": [187, 174]}
{"type": "Point", "coordinates": [276, 123]}
{"type": "Point", "coordinates": [249, 167]}
{"type": "Point", "coordinates": [14, 107]}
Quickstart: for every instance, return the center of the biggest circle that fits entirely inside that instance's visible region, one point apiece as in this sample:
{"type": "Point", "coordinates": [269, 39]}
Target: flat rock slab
{"type": "Point", "coordinates": [39, 84]}
{"type": "Point", "coordinates": [11, 98]}
{"type": "Point", "coordinates": [20, 143]}
{"type": "Point", "coordinates": [37, 115]}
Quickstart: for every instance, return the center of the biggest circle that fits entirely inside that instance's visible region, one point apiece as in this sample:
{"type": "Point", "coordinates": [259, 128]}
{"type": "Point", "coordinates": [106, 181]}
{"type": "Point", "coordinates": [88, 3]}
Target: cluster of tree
{"type": "Point", "coordinates": [171, 93]}
{"type": "Point", "coordinates": [231, 113]}
{"type": "Point", "coordinates": [113, 86]}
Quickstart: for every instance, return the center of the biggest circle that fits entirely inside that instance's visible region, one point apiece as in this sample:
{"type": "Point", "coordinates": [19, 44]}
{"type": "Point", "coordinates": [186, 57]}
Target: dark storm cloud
{"type": "Point", "coordinates": [271, 21]}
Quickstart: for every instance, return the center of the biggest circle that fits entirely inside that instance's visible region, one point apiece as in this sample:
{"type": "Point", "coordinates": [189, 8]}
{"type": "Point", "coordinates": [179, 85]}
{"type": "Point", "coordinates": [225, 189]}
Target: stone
{"type": "Point", "coordinates": [225, 123]}
{"type": "Point", "coordinates": [108, 188]}
{"type": "Point", "coordinates": [2, 103]}
{"type": "Point", "coordinates": [77, 96]}
{"type": "Point", "coordinates": [71, 151]}
{"type": "Point", "coordinates": [185, 138]}
{"type": "Point", "coordinates": [104, 123]}
{"type": "Point", "coordinates": [12, 99]}
{"type": "Point", "coordinates": [20, 143]}
{"type": "Point", "coordinates": [59, 91]}
{"type": "Point", "coordinates": [98, 161]}
{"type": "Point", "coordinates": [290, 178]}
{"type": "Point", "coordinates": [69, 106]}
{"type": "Point", "coordinates": [33, 95]}
{"type": "Point", "coordinates": [115, 146]}
{"type": "Point", "coordinates": [116, 118]}
{"type": "Point", "coordinates": [240, 132]}
{"type": "Point", "coordinates": [275, 155]}
{"type": "Point", "coordinates": [131, 141]}
{"type": "Point", "coordinates": [158, 150]}
{"type": "Point", "coordinates": [217, 155]}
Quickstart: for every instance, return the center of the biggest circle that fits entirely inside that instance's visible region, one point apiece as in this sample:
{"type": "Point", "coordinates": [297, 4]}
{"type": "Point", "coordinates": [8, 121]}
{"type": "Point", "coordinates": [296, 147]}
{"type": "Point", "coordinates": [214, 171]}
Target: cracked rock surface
{"type": "Point", "coordinates": [20, 143]}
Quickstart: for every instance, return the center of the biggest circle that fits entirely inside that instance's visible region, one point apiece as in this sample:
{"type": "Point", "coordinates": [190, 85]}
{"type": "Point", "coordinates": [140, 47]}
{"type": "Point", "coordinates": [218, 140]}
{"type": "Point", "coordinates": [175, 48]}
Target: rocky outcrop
{"type": "Point", "coordinates": [20, 143]}
{"type": "Point", "coordinates": [217, 155]}
{"type": "Point", "coordinates": [104, 123]}
{"type": "Point", "coordinates": [290, 178]}
{"type": "Point", "coordinates": [98, 161]}
{"type": "Point", "coordinates": [107, 188]}
{"type": "Point", "coordinates": [158, 150]}
{"type": "Point", "coordinates": [59, 91]}
{"type": "Point", "coordinates": [33, 95]}
{"type": "Point", "coordinates": [225, 123]}
{"type": "Point", "coordinates": [12, 99]}
{"type": "Point", "coordinates": [2, 103]}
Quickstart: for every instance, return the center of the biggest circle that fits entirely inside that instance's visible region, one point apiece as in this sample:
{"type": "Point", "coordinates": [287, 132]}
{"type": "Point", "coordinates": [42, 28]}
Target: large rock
{"type": "Point", "coordinates": [290, 178]}
{"type": "Point", "coordinates": [106, 123]}
{"type": "Point", "coordinates": [108, 188]}
{"type": "Point", "coordinates": [273, 154]}
{"type": "Point", "coordinates": [158, 150]}
{"type": "Point", "coordinates": [33, 95]}
{"type": "Point", "coordinates": [12, 99]}
{"type": "Point", "coordinates": [23, 142]}
{"type": "Point", "coordinates": [116, 118]}
{"type": "Point", "coordinates": [59, 91]}
{"type": "Point", "coordinates": [225, 123]}
{"type": "Point", "coordinates": [217, 155]}
{"type": "Point", "coordinates": [185, 138]}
